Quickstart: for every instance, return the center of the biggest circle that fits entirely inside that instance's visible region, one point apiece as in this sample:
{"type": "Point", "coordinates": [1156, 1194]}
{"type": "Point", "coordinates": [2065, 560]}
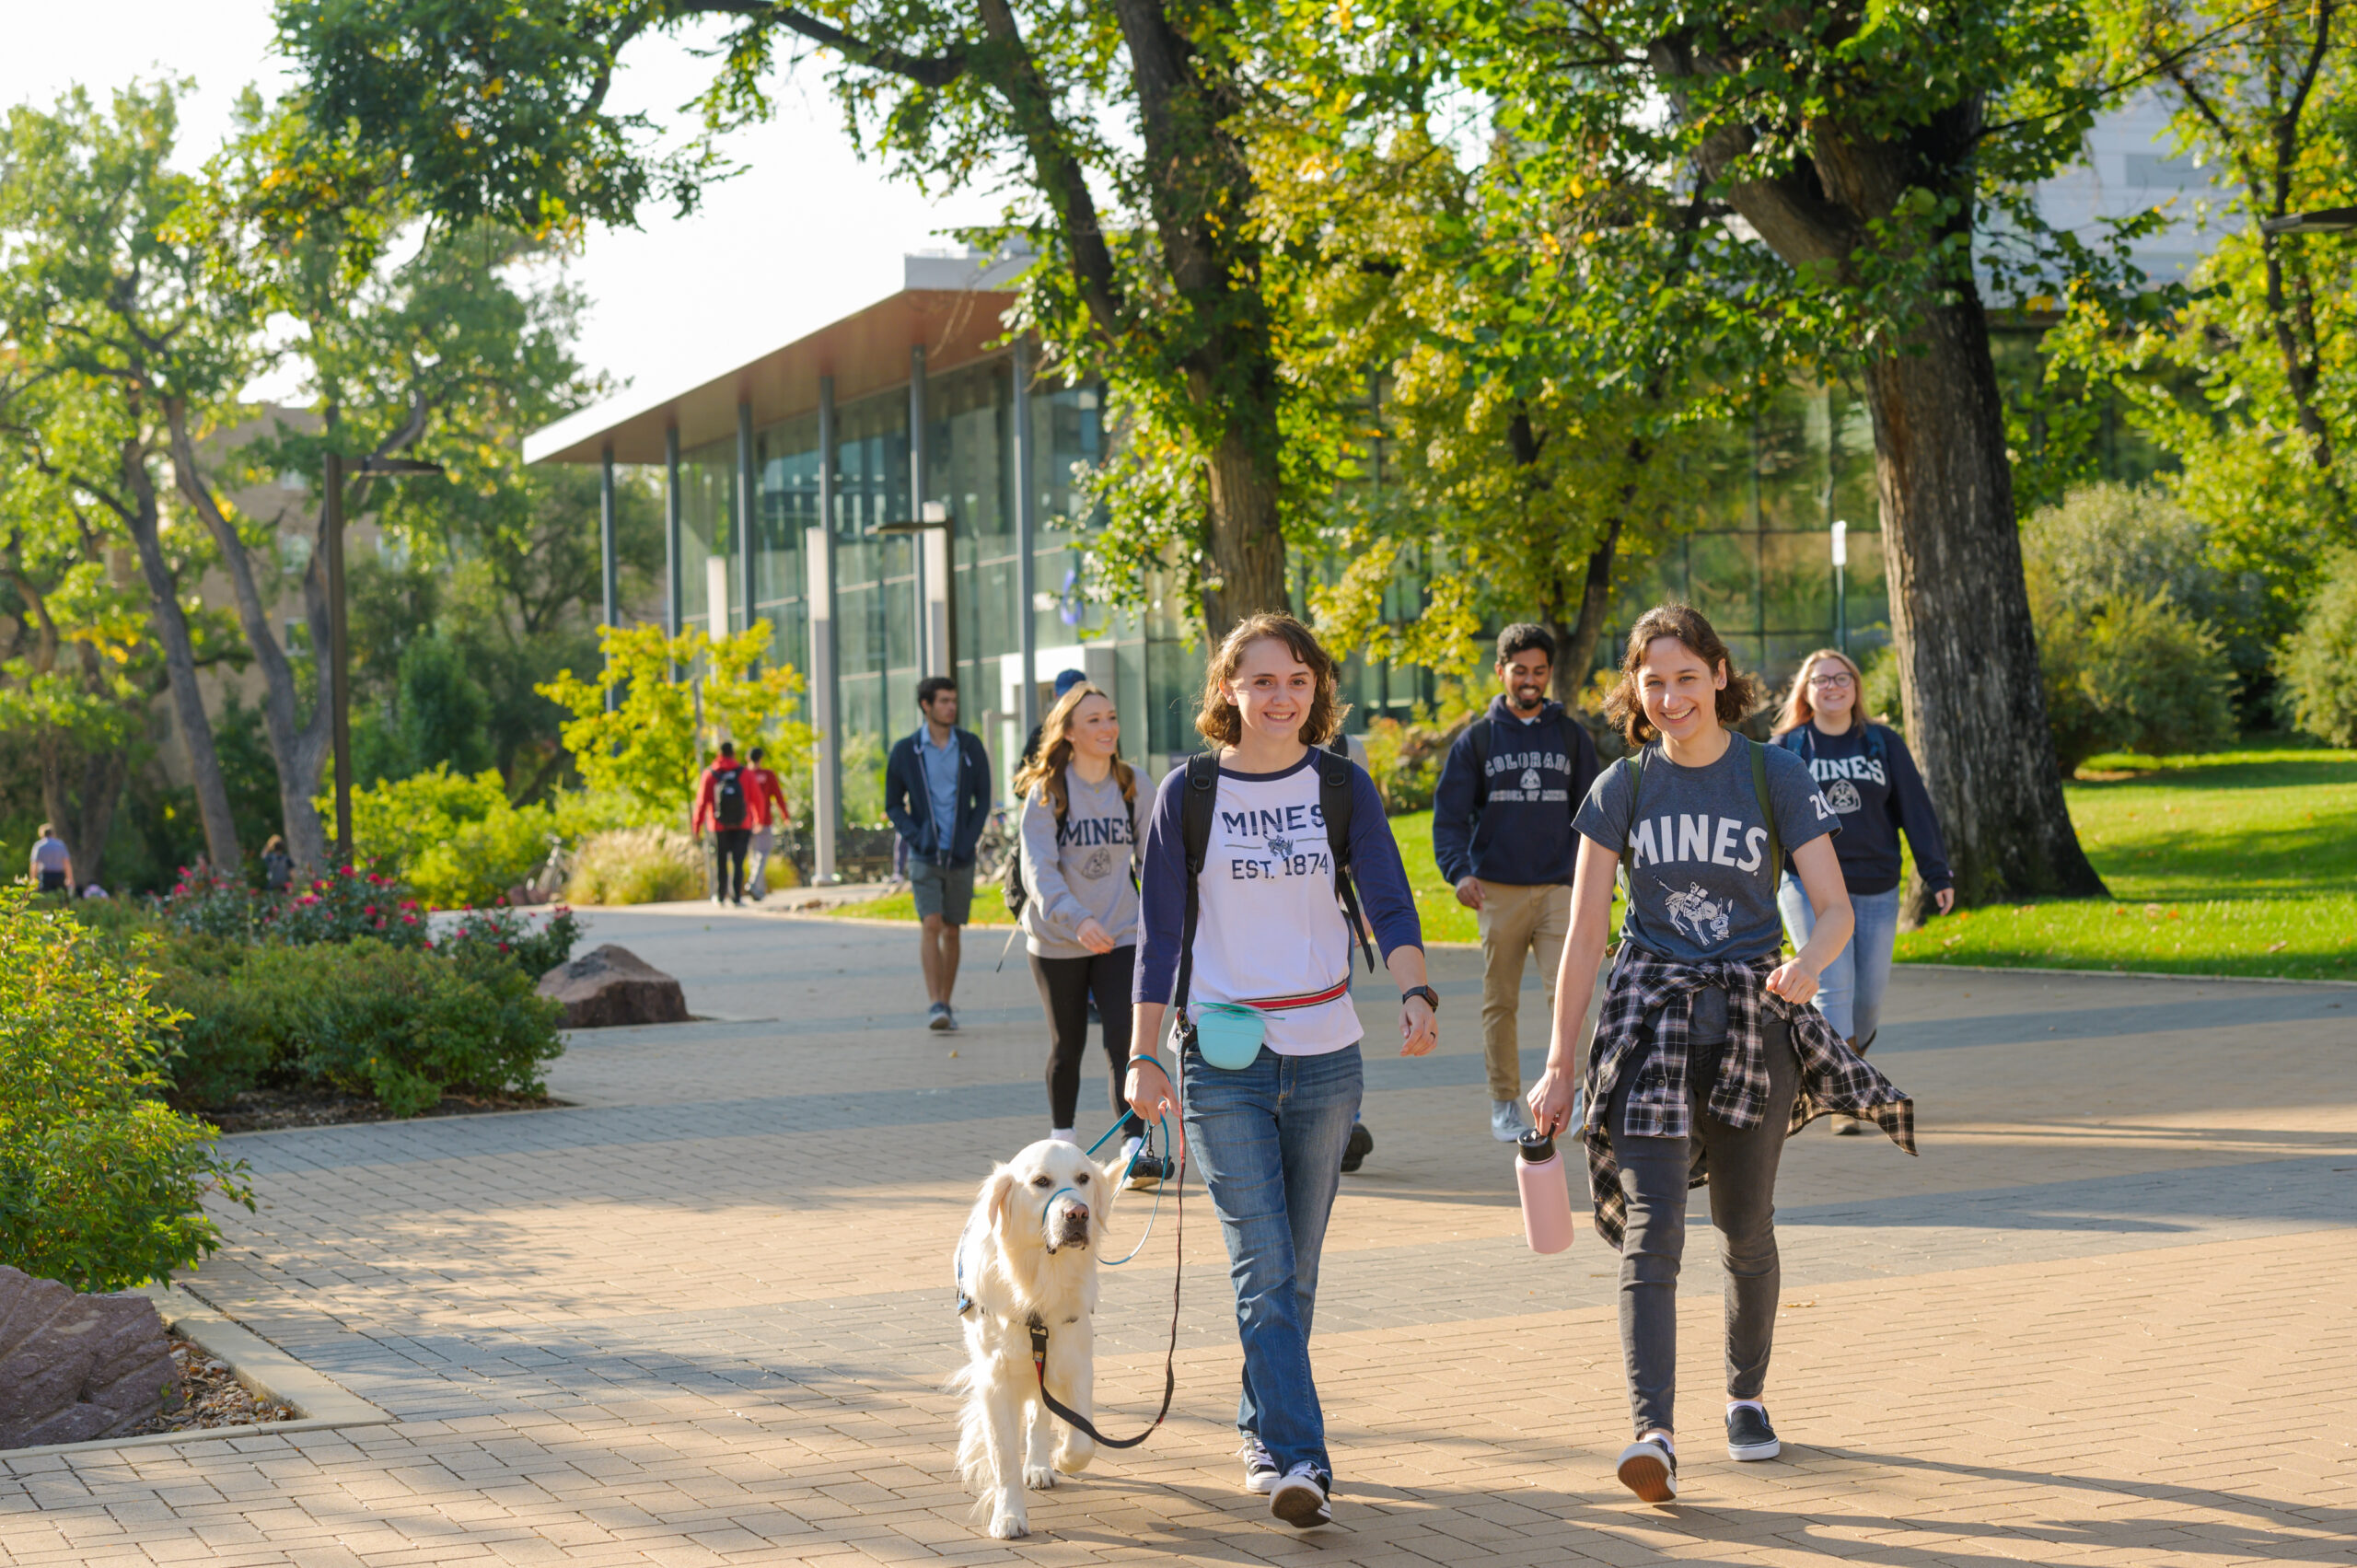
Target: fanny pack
{"type": "Point", "coordinates": [1229, 1035]}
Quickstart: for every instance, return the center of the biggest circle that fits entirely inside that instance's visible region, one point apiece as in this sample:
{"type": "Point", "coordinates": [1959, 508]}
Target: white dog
{"type": "Point", "coordinates": [1029, 1254]}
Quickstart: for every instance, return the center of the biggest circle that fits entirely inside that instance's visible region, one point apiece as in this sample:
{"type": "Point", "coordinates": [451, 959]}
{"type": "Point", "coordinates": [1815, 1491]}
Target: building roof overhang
{"type": "Point", "coordinates": [867, 351]}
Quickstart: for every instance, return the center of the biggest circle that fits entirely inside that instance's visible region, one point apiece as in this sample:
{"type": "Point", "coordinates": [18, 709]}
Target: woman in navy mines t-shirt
{"type": "Point", "coordinates": [1863, 770]}
{"type": "Point", "coordinates": [1706, 1055]}
{"type": "Point", "coordinates": [1272, 945]}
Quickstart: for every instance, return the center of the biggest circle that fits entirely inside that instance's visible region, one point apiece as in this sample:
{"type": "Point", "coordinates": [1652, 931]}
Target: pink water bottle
{"type": "Point", "coordinates": [1546, 1198]}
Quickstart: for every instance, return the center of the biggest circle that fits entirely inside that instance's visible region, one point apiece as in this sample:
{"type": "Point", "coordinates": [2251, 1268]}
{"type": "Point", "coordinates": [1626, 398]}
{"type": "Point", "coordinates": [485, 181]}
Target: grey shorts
{"type": "Point", "coordinates": [944, 890]}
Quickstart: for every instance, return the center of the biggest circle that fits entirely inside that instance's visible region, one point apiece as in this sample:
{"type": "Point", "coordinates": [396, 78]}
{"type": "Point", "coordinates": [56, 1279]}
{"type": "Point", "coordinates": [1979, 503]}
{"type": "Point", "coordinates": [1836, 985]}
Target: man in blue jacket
{"type": "Point", "coordinates": [1502, 832]}
{"type": "Point", "coordinates": [937, 793]}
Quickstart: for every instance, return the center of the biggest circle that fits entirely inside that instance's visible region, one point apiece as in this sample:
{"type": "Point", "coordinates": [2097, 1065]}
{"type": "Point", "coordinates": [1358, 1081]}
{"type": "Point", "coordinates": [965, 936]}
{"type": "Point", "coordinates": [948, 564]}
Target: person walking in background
{"type": "Point", "coordinates": [52, 862]}
{"type": "Point", "coordinates": [1065, 681]}
{"type": "Point", "coordinates": [1249, 849]}
{"type": "Point", "coordinates": [277, 865]}
{"type": "Point", "coordinates": [937, 793]}
{"type": "Point", "coordinates": [772, 818]}
{"type": "Point", "coordinates": [1707, 1055]}
{"type": "Point", "coordinates": [1502, 834]}
{"type": "Point", "coordinates": [1865, 774]}
{"type": "Point", "coordinates": [725, 809]}
{"type": "Point", "coordinates": [1083, 824]}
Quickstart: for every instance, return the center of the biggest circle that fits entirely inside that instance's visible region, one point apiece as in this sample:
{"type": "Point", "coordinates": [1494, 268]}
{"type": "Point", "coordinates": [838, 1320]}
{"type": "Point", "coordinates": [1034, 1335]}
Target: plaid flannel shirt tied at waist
{"type": "Point", "coordinates": [1832, 1076]}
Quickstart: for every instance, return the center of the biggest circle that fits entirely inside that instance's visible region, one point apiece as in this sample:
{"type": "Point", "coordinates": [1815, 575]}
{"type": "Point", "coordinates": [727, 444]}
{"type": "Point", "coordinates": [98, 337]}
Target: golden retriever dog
{"type": "Point", "coordinates": [1028, 1253]}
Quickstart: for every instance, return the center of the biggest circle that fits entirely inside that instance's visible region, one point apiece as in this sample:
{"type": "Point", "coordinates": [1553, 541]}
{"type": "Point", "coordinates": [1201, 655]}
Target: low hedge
{"type": "Point", "coordinates": [102, 1183]}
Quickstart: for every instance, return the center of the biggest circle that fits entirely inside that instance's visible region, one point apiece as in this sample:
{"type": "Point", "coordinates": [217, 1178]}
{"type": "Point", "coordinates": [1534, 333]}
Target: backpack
{"type": "Point", "coordinates": [1334, 767]}
{"type": "Point", "coordinates": [1801, 741]}
{"type": "Point", "coordinates": [1774, 862]}
{"type": "Point", "coordinates": [728, 797]}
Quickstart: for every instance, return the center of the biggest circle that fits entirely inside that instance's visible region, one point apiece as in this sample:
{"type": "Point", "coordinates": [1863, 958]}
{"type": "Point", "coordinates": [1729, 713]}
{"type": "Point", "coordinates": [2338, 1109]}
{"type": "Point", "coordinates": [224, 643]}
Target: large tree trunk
{"type": "Point", "coordinates": [1247, 544]}
{"type": "Point", "coordinates": [296, 746]}
{"type": "Point", "coordinates": [179, 666]}
{"type": "Point", "coordinates": [1968, 670]}
{"type": "Point", "coordinates": [1576, 652]}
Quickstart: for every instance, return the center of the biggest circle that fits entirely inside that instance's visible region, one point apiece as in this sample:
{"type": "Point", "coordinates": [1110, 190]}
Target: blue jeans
{"type": "Point", "coordinates": [1850, 990]}
{"type": "Point", "coordinates": [1270, 1140]}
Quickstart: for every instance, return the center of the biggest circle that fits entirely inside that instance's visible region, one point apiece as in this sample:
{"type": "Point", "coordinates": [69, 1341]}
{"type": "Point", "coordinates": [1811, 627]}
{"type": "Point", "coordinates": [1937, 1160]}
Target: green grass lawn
{"type": "Point", "coordinates": [2233, 862]}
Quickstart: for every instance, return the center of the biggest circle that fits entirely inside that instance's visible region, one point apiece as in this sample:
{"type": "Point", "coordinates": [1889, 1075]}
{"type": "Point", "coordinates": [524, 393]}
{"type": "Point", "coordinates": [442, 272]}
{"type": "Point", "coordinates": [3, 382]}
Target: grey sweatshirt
{"type": "Point", "coordinates": [1081, 867]}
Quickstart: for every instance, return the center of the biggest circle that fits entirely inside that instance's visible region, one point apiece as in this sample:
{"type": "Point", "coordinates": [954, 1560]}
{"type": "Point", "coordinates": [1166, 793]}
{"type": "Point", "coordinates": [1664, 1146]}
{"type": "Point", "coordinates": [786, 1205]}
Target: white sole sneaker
{"type": "Point", "coordinates": [1300, 1502]}
{"type": "Point", "coordinates": [1649, 1470]}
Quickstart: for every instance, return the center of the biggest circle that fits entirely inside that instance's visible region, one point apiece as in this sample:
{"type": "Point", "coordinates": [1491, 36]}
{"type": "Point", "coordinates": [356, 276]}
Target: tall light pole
{"type": "Point", "coordinates": [1841, 584]}
{"type": "Point", "coordinates": [931, 516]}
{"type": "Point", "coordinates": [339, 649]}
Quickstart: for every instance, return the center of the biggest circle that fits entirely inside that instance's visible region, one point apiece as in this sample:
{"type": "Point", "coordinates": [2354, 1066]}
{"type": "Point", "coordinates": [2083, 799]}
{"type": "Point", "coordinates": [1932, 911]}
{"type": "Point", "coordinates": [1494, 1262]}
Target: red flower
{"type": "Point", "coordinates": [408, 920]}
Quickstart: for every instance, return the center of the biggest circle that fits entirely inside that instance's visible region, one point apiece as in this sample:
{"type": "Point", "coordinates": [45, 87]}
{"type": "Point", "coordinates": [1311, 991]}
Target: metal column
{"type": "Point", "coordinates": [674, 505]}
{"type": "Point", "coordinates": [1026, 571]}
{"type": "Point", "coordinates": [747, 508]}
{"type": "Point", "coordinates": [606, 552]}
{"type": "Point", "coordinates": [818, 566]}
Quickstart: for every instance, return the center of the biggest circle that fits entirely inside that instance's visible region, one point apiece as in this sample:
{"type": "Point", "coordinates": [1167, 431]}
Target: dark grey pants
{"type": "Point", "coordinates": [1654, 1174]}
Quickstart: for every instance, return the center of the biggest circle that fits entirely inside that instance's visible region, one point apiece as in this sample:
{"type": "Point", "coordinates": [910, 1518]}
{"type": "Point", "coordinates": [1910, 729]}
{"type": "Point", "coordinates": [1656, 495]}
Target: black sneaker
{"type": "Point", "coordinates": [1748, 1435]}
{"type": "Point", "coordinates": [1650, 1470]}
{"type": "Point", "coordinates": [1147, 1170]}
{"type": "Point", "coordinates": [1361, 1144]}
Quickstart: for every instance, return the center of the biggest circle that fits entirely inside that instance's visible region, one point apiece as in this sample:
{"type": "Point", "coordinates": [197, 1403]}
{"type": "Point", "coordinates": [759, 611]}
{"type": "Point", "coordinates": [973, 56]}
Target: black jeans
{"type": "Point", "coordinates": [733, 843]}
{"type": "Point", "coordinates": [1065, 986]}
{"type": "Point", "coordinates": [1654, 1174]}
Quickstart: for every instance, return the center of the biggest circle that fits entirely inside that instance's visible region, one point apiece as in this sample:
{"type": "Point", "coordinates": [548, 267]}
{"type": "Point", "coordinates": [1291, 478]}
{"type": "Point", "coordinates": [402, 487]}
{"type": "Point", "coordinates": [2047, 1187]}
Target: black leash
{"type": "Point", "coordinates": [1072, 1418]}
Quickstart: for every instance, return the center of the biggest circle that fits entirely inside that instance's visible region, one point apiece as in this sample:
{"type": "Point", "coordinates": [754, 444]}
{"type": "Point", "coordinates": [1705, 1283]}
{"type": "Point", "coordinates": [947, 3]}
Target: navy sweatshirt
{"type": "Point", "coordinates": [1512, 821]}
{"type": "Point", "coordinates": [1875, 796]}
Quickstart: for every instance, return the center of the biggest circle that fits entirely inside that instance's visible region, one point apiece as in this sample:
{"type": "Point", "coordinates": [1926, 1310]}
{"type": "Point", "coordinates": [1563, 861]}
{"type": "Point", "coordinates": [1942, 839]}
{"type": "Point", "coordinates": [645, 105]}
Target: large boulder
{"type": "Point", "coordinates": [73, 1367]}
{"type": "Point", "coordinates": [612, 985]}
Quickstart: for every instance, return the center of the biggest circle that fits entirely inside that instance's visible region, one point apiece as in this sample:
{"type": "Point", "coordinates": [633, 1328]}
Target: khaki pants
{"type": "Point", "coordinates": [1516, 923]}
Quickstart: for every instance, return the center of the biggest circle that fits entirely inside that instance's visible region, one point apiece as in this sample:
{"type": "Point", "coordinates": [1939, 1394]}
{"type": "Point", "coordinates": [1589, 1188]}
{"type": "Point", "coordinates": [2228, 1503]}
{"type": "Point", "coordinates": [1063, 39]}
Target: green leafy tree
{"type": "Point", "coordinates": [2318, 663]}
{"type": "Point", "coordinates": [1882, 158]}
{"type": "Point", "coordinates": [110, 321]}
{"type": "Point", "coordinates": [1119, 124]}
{"type": "Point", "coordinates": [642, 728]}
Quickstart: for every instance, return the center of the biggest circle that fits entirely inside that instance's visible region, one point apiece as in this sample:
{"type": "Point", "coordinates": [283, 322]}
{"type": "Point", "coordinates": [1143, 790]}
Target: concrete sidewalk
{"type": "Point", "coordinates": [704, 1316]}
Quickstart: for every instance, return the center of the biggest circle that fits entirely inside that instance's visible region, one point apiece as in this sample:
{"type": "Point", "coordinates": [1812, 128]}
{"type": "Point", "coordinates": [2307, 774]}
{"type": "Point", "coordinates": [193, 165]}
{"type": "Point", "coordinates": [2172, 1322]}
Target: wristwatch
{"type": "Point", "coordinates": [1432, 997]}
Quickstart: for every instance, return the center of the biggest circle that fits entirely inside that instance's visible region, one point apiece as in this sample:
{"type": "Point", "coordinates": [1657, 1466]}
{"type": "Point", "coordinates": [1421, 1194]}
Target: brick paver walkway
{"type": "Point", "coordinates": [2106, 1318]}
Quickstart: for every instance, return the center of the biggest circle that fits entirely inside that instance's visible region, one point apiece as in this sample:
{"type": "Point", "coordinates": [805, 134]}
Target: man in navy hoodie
{"type": "Point", "coordinates": [1502, 832]}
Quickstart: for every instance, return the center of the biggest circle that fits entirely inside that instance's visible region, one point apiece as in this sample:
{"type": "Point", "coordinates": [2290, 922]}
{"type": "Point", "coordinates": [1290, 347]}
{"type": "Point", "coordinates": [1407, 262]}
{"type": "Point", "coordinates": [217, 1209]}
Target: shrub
{"type": "Point", "coordinates": [637, 866]}
{"type": "Point", "coordinates": [101, 1184]}
{"type": "Point", "coordinates": [454, 837]}
{"type": "Point", "coordinates": [2109, 542]}
{"type": "Point", "coordinates": [2136, 674]}
{"type": "Point", "coordinates": [502, 933]}
{"type": "Point", "coordinates": [346, 904]}
{"type": "Point", "coordinates": [2319, 662]}
{"type": "Point", "coordinates": [1405, 761]}
{"type": "Point", "coordinates": [403, 1025]}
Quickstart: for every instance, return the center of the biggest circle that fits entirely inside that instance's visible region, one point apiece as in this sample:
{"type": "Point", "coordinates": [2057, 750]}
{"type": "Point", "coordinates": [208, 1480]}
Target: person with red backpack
{"type": "Point", "coordinates": [725, 807]}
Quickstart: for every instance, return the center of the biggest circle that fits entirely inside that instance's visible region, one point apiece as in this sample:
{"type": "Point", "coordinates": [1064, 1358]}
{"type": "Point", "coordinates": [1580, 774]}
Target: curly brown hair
{"type": "Point", "coordinates": [1624, 704]}
{"type": "Point", "coordinates": [1222, 723]}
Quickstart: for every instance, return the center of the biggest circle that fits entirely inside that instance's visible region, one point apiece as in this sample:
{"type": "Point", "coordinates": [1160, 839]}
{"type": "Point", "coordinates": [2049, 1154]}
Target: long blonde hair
{"type": "Point", "coordinates": [1044, 773]}
{"type": "Point", "coordinates": [1798, 709]}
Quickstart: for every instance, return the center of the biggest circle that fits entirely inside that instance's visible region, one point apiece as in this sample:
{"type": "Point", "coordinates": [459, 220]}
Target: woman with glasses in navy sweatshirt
{"type": "Point", "coordinates": [1862, 769]}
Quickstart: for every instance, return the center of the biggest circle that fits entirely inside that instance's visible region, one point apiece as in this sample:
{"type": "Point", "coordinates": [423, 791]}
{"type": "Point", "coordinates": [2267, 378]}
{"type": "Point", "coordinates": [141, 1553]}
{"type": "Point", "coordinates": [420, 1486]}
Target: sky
{"type": "Point", "coordinates": [807, 234]}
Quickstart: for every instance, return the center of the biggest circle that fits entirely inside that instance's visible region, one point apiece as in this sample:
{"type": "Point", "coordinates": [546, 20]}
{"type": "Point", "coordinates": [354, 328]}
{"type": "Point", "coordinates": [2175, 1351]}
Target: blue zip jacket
{"type": "Point", "coordinates": [1871, 783]}
{"type": "Point", "coordinates": [909, 803]}
{"type": "Point", "coordinates": [1512, 822]}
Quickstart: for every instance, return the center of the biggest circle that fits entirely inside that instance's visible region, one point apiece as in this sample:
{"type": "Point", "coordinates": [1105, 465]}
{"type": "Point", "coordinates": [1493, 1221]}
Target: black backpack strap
{"type": "Point", "coordinates": [1195, 835]}
{"type": "Point", "coordinates": [1334, 792]}
{"type": "Point", "coordinates": [1767, 810]}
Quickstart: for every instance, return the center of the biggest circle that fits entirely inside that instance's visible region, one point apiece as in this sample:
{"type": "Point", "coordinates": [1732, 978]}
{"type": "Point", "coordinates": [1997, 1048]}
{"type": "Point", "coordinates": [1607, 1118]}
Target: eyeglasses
{"type": "Point", "coordinates": [1833, 683]}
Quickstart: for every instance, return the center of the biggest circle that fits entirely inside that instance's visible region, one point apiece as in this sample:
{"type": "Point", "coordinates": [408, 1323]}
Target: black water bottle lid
{"type": "Point", "coordinates": [1537, 1146]}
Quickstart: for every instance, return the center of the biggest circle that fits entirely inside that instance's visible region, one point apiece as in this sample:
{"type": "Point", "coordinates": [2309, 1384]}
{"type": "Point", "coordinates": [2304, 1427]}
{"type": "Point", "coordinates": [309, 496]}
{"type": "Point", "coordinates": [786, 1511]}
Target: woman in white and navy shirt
{"type": "Point", "coordinates": [1270, 936]}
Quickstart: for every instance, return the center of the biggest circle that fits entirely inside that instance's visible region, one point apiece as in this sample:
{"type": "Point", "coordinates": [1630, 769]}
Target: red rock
{"type": "Point", "coordinates": [610, 986]}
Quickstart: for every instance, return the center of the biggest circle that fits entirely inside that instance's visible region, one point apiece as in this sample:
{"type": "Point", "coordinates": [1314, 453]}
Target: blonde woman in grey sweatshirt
{"type": "Point", "coordinates": [1084, 821]}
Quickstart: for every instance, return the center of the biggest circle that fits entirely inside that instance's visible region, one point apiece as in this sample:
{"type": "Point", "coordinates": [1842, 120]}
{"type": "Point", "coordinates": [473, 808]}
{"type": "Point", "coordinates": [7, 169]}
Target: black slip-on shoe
{"type": "Point", "coordinates": [1649, 1470]}
{"type": "Point", "coordinates": [1749, 1436]}
{"type": "Point", "coordinates": [1361, 1144]}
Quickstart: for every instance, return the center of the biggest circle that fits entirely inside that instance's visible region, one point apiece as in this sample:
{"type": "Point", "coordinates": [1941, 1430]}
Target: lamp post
{"type": "Point", "coordinates": [1841, 584]}
{"type": "Point", "coordinates": [934, 514]}
{"type": "Point", "coordinates": [339, 649]}
{"type": "Point", "coordinates": [2324, 220]}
